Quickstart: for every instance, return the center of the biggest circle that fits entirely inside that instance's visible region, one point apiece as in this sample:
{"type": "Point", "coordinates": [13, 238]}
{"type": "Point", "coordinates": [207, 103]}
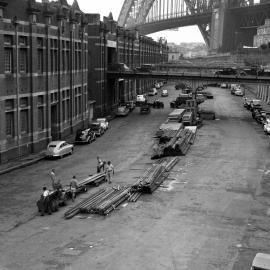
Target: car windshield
{"type": "Point", "coordinates": [52, 145]}
{"type": "Point", "coordinates": [95, 126]}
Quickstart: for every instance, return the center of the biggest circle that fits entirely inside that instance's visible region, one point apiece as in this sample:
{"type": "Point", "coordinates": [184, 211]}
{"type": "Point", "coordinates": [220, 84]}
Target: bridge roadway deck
{"type": "Point", "coordinates": [194, 76]}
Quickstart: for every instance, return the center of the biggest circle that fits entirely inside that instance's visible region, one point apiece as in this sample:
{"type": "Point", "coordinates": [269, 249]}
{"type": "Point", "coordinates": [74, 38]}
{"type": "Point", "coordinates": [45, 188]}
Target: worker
{"type": "Point", "coordinates": [100, 164]}
{"type": "Point", "coordinates": [109, 170]}
{"type": "Point", "coordinates": [73, 187]}
{"type": "Point", "coordinates": [43, 203]}
{"type": "Point", "coordinates": [46, 192]}
{"type": "Point", "coordinates": [53, 177]}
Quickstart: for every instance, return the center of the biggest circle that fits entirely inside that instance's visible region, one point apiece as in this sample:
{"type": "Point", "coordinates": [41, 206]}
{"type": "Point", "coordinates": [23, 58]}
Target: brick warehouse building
{"type": "Point", "coordinates": [43, 74]}
{"type": "Point", "coordinates": [109, 44]}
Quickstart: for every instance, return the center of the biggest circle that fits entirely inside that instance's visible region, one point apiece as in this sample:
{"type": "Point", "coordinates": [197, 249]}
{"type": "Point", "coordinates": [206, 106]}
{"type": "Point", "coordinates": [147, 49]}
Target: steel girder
{"type": "Point", "coordinates": [251, 16]}
{"type": "Point", "coordinates": [141, 9]}
{"type": "Point", "coordinates": [126, 8]}
{"type": "Point", "coordinates": [204, 28]}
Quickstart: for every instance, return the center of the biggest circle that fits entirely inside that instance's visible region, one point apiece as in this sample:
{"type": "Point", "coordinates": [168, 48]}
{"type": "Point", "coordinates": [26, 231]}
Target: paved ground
{"type": "Point", "coordinates": [210, 214]}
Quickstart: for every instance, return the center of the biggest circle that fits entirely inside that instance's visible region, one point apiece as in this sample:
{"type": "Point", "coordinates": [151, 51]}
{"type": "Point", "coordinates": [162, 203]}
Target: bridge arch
{"type": "Point", "coordinates": [149, 16]}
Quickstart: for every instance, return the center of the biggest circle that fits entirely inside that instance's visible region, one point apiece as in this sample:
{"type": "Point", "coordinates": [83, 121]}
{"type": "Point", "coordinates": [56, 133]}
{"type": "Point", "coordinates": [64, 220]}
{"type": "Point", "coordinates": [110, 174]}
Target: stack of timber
{"type": "Point", "coordinates": [101, 202]}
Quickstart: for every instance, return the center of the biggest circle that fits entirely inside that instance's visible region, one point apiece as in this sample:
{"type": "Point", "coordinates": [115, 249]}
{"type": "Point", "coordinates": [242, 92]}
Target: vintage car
{"type": "Point", "coordinates": [152, 92]}
{"type": "Point", "coordinates": [145, 109]}
{"type": "Point", "coordinates": [104, 123]}
{"type": "Point", "coordinates": [122, 110]}
{"type": "Point", "coordinates": [131, 105]}
{"type": "Point", "coordinates": [164, 93]}
{"type": "Point", "coordinates": [59, 149]}
{"type": "Point", "coordinates": [97, 128]}
{"type": "Point", "coordinates": [85, 135]}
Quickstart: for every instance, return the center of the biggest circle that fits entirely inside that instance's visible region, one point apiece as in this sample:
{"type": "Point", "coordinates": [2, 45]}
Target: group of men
{"type": "Point", "coordinates": [107, 167]}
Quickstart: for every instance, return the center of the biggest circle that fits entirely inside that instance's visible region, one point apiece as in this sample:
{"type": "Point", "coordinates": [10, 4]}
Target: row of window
{"type": "Point", "coordinates": [80, 103]}
{"type": "Point", "coordinates": [23, 56]}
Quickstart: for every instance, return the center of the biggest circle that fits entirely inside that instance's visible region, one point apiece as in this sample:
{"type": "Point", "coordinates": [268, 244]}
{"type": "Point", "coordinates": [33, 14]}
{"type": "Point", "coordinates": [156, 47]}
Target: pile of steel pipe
{"type": "Point", "coordinates": [92, 179]}
{"type": "Point", "coordinates": [134, 196]}
{"type": "Point", "coordinates": [76, 209]}
{"type": "Point", "coordinates": [102, 202]}
{"type": "Point", "coordinates": [171, 163]}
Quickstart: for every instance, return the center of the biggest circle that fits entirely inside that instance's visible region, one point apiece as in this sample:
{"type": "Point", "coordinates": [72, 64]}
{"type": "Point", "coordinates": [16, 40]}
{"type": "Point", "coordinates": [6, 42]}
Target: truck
{"type": "Point", "coordinates": [181, 99]}
{"type": "Point", "coordinates": [187, 118]}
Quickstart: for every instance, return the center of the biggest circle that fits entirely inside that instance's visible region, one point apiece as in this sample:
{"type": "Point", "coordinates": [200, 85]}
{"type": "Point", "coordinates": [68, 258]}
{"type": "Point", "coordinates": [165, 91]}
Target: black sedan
{"type": "Point", "coordinates": [85, 136]}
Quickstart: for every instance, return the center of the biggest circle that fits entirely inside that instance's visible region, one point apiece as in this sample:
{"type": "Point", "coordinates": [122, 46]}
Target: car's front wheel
{"type": "Point", "coordinates": [71, 151]}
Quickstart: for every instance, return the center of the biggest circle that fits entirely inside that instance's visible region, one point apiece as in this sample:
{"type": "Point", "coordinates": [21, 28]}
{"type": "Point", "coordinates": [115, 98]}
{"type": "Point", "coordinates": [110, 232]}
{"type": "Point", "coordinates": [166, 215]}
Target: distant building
{"type": "Point", "coordinates": [186, 50]}
{"type": "Point", "coordinates": [263, 34]}
{"type": "Point", "coordinates": [43, 74]}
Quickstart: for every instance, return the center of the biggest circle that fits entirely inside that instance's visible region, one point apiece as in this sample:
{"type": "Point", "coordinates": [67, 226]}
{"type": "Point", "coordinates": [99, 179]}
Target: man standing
{"type": "Point", "coordinates": [100, 165]}
{"type": "Point", "coordinates": [53, 177]}
{"type": "Point", "coordinates": [73, 187]}
{"type": "Point", "coordinates": [109, 171]}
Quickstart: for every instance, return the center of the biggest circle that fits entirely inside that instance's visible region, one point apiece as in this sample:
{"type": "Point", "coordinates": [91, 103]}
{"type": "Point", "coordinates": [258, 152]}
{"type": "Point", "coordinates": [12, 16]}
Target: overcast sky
{"type": "Point", "coordinates": [184, 34]}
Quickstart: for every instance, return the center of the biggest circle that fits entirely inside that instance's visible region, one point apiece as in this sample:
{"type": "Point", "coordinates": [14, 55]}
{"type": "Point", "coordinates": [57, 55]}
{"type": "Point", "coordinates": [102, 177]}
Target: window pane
{"type": "Point", "coordinates": [10, 124]}
{"type": "Point", "coordinates": [23, 60]}
{"type": "Point", "coordinates": [24, 121]}
{"type": "Point", "coordinates": [40, 118]}
{"type": "Point", "coordinates": [8, 60]}
{"type": "Point", "coordinates": [40, 61]}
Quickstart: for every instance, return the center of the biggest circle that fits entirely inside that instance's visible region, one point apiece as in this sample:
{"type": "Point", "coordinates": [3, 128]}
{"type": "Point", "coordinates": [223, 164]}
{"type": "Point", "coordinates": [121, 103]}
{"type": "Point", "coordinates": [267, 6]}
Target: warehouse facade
{"type": "Point", "coordinates": [109, 44]}
{"type": "Point", "coordinates": [53, 72]}
{"type": "Point", "coordinates": [43, 74]}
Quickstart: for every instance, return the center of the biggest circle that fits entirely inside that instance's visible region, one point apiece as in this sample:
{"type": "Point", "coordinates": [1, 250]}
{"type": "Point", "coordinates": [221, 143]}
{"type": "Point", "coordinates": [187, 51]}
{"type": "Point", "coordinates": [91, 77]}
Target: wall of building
{"type": "Point", "coordinates": [113, 44]}
{"type": "Point", "coordinates": [43, 75]}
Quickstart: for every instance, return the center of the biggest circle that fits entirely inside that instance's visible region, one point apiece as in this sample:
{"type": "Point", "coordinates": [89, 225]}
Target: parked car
{"type": "Point", "coordinates": [266, 128]}
{"type": "Point", "coordinates": [97, 128]}
{"type": "Point", "coordinates": [131, 105]}
{"type": "Point", "coordinates": [158, 104]}
{"type": "Point", "coordinates": [223, 85]}
{"type": "Point", "coordinates": [153, 91]}
{"type": "Point", "coordinates": [239, 92]}
{"type": "Point", "coordinates": [59, 149]}
{"type": "Point", "coordinates": [122, 110]}
{"type": "Point", "coordinates": [104, 123]}
{"type": "Point", "coordinates": [141, 98]}
{"type": "Point", "coordinates": [157, 85]}
{"type": "Point", "coordinates": [246, 103]}
{"type": "Point", "coordinates": [85, 136]}
{"type": "Point", "coordinates": [207, 94]}
{"type": "Point", "coordinates": [255, 104]}
{"type": "Point", "coordinates": [164, 93]}
{"type": "Point", "coordinates": [261, 261]}
{"type": "Point", "coordinates": [145, 109]}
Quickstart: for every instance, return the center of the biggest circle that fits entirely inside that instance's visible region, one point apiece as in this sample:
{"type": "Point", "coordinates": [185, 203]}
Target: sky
{"type": "Point", "coordinates": [104, 7]}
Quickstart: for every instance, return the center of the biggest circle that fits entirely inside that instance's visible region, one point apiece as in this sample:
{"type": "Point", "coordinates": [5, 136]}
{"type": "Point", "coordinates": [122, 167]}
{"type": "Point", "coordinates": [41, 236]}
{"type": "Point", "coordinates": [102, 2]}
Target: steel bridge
{"type": "Point", "coordinates": [224, 24]}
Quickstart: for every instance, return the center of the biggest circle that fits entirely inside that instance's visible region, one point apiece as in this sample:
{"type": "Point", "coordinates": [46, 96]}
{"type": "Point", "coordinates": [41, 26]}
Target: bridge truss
{"type": "Point", "coordinates": [138, 13]}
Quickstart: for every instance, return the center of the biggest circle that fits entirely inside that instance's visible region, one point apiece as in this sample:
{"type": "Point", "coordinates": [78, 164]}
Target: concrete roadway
{"type": "Point", "coordinates": [210, 214]}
